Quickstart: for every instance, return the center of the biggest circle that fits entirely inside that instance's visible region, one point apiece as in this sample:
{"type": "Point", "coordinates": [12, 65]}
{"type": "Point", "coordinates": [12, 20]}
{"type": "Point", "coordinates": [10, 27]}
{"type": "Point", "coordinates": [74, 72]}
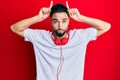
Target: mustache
{"type": "Point", "coordinates": [60, 29]}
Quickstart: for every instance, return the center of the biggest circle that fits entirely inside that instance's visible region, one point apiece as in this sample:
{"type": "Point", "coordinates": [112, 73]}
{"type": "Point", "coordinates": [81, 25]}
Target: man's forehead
{"type": "Point", "coordinates": [59, 14]}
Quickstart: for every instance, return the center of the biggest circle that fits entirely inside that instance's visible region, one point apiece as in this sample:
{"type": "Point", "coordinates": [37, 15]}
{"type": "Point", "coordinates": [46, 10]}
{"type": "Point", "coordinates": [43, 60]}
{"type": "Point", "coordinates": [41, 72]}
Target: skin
{"type": "Point", "coordinates": [60, 21]}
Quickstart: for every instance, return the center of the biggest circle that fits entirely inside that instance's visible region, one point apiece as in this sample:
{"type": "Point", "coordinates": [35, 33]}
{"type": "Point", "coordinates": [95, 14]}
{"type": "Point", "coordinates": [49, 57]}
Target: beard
{"type": "Point", "coordinates": [59, 33]}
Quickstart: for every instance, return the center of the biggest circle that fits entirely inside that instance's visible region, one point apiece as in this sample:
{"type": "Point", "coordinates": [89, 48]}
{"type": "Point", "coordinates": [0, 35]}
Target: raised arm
{"type": "Point", "coordinates": [100, 25]}
{"type": "Point", "coordinates": [20, 26]}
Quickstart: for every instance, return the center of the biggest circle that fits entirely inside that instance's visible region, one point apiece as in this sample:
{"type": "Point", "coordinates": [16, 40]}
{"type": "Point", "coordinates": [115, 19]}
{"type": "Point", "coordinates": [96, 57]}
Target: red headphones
{"type": "Point", "coordinates": [63, 41]}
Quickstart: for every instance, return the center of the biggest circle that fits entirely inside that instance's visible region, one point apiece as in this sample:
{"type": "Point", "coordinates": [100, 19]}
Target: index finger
{"type": "Point", "coordinates": [51, 4]}
{"type": "Point", "coordinates": [67, 5]}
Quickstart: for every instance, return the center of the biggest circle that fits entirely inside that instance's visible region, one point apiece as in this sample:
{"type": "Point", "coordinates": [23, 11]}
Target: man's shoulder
{"type": "Point", "coordinates": [81, 29]}
{"type": "Point", "coordinates": [76, 30]}
{"type": "Point", "coordinates": [36, 30]}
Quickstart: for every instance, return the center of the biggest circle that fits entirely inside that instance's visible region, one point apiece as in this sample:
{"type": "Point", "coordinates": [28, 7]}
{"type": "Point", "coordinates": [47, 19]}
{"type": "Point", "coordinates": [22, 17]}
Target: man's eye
{"type": "Point", "coordinates": [55, 21]}
{"type": "Point", "coordinates": [64, 21]}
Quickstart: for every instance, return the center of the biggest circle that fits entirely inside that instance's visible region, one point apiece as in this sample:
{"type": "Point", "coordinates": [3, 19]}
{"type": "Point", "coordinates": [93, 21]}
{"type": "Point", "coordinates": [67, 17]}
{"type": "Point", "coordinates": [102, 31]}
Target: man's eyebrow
{"type": "Point", "coordinates": [65, 19]}
{"type": "Point", "coordinates": [57, 19]}
{"type": "Point", "coordinates": [54, 19]}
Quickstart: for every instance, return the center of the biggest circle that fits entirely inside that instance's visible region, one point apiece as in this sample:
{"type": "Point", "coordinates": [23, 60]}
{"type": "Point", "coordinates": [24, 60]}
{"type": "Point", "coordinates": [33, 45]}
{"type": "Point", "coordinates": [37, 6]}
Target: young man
{"type": "Point", "coordinates": [60, 54]}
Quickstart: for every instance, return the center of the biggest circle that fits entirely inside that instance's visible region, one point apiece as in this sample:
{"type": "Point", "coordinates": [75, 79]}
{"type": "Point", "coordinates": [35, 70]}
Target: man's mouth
{"type": "Point", "coordinates": [60, 31]}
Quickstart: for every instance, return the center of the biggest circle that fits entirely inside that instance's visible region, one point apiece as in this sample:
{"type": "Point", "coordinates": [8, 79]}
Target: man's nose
{"type": "Point", "coordinates": [60, 25]}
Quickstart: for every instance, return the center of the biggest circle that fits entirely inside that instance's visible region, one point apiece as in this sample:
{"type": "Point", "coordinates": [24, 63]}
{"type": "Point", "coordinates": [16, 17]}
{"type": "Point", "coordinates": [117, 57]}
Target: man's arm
{"type": "Point", "coordinates": [20, 26]}
{"type": "Point", "coordinates": [100, 25]}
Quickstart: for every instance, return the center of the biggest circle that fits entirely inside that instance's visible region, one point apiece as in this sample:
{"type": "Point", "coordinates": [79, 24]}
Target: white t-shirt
{"type": "Point", "coordinates": [64, 62]}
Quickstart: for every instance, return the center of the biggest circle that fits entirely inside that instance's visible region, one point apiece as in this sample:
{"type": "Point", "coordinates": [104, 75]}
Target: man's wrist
{"type": "Point", "coordinates": [81, 18]}
{"type": "Point", "coordinates": [38, 18]}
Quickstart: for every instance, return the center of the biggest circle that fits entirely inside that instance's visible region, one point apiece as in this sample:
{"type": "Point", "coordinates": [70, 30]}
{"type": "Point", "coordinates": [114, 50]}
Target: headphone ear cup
{"type": "Point", "coordinates": [64, 41]}
{"type": "Point", "coordinates": [57, 41]}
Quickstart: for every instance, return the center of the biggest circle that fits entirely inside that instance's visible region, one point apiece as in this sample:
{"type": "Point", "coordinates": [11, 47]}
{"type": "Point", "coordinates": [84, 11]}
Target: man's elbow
{"type": "Point", "coordinates": [17, 31]}
{"type": "Point", "coordinates": [12, 28]}
{"type": "Point", "coordinates": [105, 29]}
{"type": "Point", "coordinates": [108, 26]}
{"type": "Point", "coordinates": [15, 28]}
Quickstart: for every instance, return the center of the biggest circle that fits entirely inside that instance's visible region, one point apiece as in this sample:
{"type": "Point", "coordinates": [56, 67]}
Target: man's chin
{"type": "Point", "coordinates": [60, 34]}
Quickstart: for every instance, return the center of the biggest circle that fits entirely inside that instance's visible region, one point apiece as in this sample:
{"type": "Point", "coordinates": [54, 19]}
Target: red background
{"type": "Point", "coordinates": [17, 60]}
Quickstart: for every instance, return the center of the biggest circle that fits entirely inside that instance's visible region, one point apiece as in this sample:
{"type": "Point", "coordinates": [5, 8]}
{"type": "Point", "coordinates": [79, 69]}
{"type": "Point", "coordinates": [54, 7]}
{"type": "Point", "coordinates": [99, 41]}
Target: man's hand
{"type": "Point", "coordinates": [100, 25]}
{"type": "Point", "coordinates": [22, 25]}
{"type": "Point", "coordinates": [45, 11]}
{"type": "Point", "coordinates": [73, 12]}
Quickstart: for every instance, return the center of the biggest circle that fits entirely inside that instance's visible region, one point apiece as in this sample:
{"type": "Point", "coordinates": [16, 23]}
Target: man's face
{"type": "Point", "coordinates": [60, 22]}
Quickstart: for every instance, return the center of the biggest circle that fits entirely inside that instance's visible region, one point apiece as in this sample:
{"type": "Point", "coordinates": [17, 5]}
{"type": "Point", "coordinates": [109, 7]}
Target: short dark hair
{"type": "Point", "coordinates": [59, 8]}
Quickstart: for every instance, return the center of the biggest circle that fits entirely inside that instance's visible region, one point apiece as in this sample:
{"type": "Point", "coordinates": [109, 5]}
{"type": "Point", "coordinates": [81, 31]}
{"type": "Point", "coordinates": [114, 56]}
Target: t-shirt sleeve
{"type": "Point", "coordinates": [30, 35]}
{"type": "Point", "coordinates": [89, 34]}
